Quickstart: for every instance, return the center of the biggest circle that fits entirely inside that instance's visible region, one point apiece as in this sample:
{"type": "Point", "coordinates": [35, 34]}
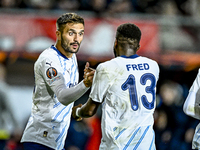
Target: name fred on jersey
{"type": "Point", "coordinates": [134, 67]}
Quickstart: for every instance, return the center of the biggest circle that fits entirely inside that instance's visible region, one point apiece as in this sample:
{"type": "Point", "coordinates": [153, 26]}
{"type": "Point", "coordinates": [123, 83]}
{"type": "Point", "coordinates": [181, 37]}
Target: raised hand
{"type": "Point", "coordinates": [88, 75]}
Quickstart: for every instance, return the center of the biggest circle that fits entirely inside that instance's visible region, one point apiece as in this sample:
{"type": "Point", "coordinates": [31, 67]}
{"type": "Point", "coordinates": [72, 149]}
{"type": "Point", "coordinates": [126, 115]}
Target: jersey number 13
{"type": "Point", "coordinates": [131, 86]}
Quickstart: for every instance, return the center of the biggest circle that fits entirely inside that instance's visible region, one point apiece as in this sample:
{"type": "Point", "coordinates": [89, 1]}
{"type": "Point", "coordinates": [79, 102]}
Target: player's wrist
{"type": "Point", "coordinates": [78, 112]}
{"type": "Point", "coordinates": [84, 82]}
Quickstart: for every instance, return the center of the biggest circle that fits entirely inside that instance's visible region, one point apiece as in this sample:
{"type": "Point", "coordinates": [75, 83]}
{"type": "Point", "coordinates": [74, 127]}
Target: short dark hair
{"type": "Point", "coordinates": [68, 18]}
{"type": "Point", "coordinates": [128, 31]}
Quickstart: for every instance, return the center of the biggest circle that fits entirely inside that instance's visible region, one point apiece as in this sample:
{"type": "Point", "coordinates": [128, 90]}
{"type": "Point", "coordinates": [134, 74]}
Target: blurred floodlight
{"type": "Point", "coordinates": [7, 43]}
{"type": "Point", "coordinates": [39, 44]}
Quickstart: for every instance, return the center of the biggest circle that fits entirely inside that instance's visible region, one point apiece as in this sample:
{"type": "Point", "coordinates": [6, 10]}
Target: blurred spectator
{"type": "Point", "coordinates": [40, 4]}
{"type": "Point", "coordinates": [84, 135]}
{"type": "Point", "coordinates": [85, 5]}
{"type": "Point", "coordinates": [166, 7]}
{"type": "Point", "coordinates": [182, 6]}
{"type": "Point", "coordinates": [8, 123]}
{"type": "Point", "coordinates": [10, 3]}
{"type": "Point", "coordinates": [173, 129]}
{"type": "Point", "coordinates": [194, 8]}
{"type": "Point", "coordinates": [99, 5]}
{"type": "Point", "coordinates": [146, 6]}
{"type": "Point", "coordinates": [96, 6]}
{"type": "Point", "coordinates": [70, 5]}
{"type": "Point", "coordinates": [106, 6]}
{"type": "Point", "coordinates": [120, 6]}
{"type": "Point", "coordinates": [78, 134]}
{"type": "Point", "coordinates": [14, 141]}
{"type": "Point", "coordinates": [169, 7]}
{"type": "Point", "coordinates": [94, 140]}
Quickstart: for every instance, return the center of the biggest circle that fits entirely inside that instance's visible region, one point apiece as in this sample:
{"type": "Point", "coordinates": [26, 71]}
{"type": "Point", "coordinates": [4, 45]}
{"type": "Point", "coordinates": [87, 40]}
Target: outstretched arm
{"type": "Point", "coordinates": [85, 111]}
{"type": "Point", "coordinates": [68, 95]}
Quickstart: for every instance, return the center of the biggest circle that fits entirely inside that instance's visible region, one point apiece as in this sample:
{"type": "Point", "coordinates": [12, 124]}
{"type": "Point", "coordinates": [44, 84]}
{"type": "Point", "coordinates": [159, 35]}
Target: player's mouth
{"type": "Point", "coordinates": [75, 45]}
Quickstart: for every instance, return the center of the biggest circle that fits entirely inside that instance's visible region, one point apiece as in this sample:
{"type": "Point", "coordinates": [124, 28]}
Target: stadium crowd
{"type": "Point", "coordinates": [179, 7]}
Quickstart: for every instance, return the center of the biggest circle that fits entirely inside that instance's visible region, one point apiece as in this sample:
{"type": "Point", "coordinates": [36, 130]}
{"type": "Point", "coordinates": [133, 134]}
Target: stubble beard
{"type": "Point", "coordinates": [67, 48]}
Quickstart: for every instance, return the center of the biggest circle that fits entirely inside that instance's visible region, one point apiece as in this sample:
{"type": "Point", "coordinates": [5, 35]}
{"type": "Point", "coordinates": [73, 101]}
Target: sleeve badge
{"type": "Point", "coordinates": [51, 72]}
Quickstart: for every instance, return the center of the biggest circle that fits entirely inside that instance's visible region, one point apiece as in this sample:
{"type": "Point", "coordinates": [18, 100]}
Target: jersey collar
{"type": "Point", "coordinates": [132, 56]}
{"type": "Point", "coordinates": [59, 53]}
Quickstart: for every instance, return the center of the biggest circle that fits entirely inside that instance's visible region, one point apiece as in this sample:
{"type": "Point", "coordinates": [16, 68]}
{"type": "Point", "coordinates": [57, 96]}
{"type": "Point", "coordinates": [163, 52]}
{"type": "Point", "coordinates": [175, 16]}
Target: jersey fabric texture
{"type": "Point", "coordinates": [49, 120]}
{"type": "Point", "coordinates": [191, 107]}
{"type": "Point", "coordinates": [126, 87]}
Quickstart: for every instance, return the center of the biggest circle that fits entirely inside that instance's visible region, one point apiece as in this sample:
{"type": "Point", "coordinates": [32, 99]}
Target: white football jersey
{"type": "Point", "coordinates": [126, 87]}
{"type": "Point", "coordinates": [191, 107]}
{"type": "Point", "coordinates": [49, 120]}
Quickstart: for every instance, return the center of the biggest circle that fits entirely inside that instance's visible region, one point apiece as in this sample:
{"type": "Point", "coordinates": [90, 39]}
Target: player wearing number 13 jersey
{"type": "Point", "coordinates": [126, 88]}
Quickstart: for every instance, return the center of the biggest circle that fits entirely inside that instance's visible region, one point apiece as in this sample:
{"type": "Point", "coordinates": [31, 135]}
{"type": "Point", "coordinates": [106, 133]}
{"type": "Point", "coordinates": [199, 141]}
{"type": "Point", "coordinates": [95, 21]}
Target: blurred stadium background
{"type": "Point", "coordinates": [170, 35]}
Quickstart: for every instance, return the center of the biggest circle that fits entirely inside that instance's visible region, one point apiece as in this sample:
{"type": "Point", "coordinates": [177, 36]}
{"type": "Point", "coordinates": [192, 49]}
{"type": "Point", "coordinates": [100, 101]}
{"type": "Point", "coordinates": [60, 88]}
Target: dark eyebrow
{"type": "Point", "coordinates": [75, 30]}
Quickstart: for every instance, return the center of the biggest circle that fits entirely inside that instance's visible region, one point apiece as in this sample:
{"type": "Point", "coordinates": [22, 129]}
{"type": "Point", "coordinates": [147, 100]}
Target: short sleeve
{"type": "Point", "coordinates": [101, 83]}
{"type": "Point", "coordinates": [196, 84]}
{"type": "Point", "coordinates": [191, 105]}
{"type": "Point", "coordinates": [52, 73]}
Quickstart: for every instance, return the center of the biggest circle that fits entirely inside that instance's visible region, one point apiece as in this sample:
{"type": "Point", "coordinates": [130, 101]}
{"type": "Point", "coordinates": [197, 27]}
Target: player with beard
{"type": "Point", "coordinates": [56, 87]}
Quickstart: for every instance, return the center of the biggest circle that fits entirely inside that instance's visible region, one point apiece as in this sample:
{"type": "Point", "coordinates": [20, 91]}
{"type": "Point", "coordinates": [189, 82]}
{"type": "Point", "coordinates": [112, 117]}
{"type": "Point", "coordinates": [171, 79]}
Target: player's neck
{"type": "Point", "coordinates": [127, 52]}
{"type": "Point", "coordinates": [62, 51]}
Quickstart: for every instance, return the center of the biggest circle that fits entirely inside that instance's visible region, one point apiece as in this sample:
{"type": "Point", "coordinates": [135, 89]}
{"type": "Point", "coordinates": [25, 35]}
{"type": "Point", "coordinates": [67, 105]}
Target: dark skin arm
{"type": "Point", "coordinates": [86, 111]}
{"type": "Point", "coordinates": [88, 75]}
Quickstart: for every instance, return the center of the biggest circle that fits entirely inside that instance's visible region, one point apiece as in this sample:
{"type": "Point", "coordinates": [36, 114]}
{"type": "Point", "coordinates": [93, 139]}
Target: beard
{"type": "Point", "coordinates": [67, 48]}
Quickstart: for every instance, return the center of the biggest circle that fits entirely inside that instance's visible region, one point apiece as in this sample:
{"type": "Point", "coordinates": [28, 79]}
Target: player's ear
{"type": "Point", "coordinates": [138, 47]}
{"type": "Point", "coordinates": [115, 44]}
{"type": "Point", "coordinates": [58, 35]}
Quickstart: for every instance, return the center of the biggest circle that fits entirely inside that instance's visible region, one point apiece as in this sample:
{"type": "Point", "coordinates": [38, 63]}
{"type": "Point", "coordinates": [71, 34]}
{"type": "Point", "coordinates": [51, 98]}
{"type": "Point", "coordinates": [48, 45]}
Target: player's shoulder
{"type": "Point", "coordinates": [47, 54]}
{"type": "Point", "coordinates": [149, 61]}
{"type": "Point", "coordinates": [108, 65]}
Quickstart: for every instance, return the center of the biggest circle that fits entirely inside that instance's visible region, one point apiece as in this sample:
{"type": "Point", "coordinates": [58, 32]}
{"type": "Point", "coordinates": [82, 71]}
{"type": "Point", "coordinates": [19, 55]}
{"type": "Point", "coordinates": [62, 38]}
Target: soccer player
{"type": "Point", "coordinates": [191, 107]}
{"type": "Point", "coordinates": [126, 88]}
{"type": "Point", "coordinates": [56, 87]}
